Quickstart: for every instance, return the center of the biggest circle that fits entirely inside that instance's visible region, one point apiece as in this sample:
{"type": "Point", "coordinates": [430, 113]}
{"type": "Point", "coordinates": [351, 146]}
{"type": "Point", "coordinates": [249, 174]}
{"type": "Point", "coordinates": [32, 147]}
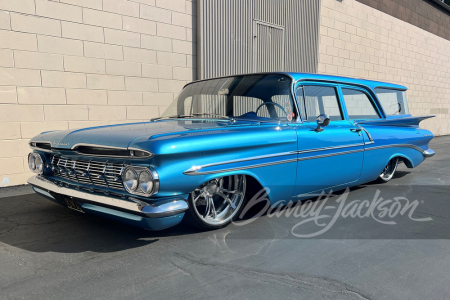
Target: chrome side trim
{"type": "Point", "coordinates": [428, 153]}
{"type": "Point", "coordinates": [330, 154]}
{"type": "Point", "coordinates": [330, 148]}
{"type": "Point", "coordinates": [396, 145]}
{"type": "Point", "coordinates": [196, 168]}
{"type": "Point", "coordinates": [196, 172]}
{"type": "Point", "coordinates": [135, 206]}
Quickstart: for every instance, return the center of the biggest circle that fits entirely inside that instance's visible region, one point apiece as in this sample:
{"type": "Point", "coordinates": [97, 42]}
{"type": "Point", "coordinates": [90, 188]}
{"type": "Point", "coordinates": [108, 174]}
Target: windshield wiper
{"type": "Point", "coordinates": [216, 115]}
{"type": "Point", "coordinates": [172, 117]}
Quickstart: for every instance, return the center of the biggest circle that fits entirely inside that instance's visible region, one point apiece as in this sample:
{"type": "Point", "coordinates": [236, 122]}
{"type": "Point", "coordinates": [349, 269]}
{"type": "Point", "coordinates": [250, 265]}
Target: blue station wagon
{"type": "Point", "coordinates": [224, 139]}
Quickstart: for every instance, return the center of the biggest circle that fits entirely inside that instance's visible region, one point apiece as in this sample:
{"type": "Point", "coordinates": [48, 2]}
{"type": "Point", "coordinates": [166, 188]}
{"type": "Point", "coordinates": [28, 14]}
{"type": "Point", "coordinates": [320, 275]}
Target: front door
{"type": "Point", "coordinates": [329, 158]}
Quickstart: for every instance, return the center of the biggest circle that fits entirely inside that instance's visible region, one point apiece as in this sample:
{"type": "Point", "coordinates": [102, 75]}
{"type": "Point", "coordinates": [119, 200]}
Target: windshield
{"type": "Point", "coordinates": [262, 97]}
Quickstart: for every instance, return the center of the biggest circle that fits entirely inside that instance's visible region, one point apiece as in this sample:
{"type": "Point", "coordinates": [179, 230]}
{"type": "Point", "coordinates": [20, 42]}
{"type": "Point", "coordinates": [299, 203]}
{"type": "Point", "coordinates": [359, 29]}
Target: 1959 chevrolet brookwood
{"type": "Point", "coordinates": [223, 139]}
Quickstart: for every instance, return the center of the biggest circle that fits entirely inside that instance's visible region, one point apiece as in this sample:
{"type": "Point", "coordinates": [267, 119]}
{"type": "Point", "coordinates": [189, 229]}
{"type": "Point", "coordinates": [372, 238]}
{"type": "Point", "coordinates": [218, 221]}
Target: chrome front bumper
{"type": "Point", "coordinates": [159, 209]}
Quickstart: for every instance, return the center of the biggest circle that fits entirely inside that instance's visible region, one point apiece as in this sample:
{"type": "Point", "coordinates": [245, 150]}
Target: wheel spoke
{"type": "Point", "coordinates": [227, 191]}
{"type": "Point", "coordinates": [196, 198]}
{"type": "Point", "coordinates": [228, 199]}
{"type": "Point", "coordinates": [212, 207]}
{"type": "Point", "coordinates": [207, 208]}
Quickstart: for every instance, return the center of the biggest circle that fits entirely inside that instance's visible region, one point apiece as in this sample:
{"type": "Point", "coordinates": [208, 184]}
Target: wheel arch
{"type": "Point", "coordinates": [253, 187]}
{"type": "Point", "coordinates": [402, 157]}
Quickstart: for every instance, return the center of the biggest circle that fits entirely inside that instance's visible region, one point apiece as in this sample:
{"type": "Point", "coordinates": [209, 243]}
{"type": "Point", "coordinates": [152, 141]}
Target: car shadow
{"type": "Point", "coordinates": [35, 224]}
{"type": "Point", "coordinates": [400, 174]}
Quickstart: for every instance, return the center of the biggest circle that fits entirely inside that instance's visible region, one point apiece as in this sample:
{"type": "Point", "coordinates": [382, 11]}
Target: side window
{"type": "Point", "coordinates": [321, 100]}
{"type": "Point", "coordinates": [359, 105]}
{"type": "Point", "coordinates": [393, 101]}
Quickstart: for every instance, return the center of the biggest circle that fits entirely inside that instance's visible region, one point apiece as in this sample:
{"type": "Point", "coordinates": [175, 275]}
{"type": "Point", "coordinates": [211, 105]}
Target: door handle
{"type": "Point", "coordinates": [358, 130]}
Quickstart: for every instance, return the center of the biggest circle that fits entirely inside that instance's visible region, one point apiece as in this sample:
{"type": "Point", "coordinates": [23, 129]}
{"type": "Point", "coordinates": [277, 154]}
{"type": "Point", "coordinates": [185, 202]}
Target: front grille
{"type": "Point", "coordinates": [95, 174]}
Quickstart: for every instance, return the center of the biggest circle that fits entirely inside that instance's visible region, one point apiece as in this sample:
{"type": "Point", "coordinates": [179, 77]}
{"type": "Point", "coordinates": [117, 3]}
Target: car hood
{"type": "Point", "coordinates": [130, 135]}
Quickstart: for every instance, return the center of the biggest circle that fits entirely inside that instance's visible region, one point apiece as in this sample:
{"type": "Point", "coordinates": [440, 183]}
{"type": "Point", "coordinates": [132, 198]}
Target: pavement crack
{"type": "Point", "coordinates": [433, 215]}
{"type": "Point", "coordinates": [325, 287]}
{"type": "Point", "coordinates": [14, 225]}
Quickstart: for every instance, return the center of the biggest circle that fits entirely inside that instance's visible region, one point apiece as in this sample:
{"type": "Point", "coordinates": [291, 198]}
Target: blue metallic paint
{"type": "Point", "coordinates": [288, 158]}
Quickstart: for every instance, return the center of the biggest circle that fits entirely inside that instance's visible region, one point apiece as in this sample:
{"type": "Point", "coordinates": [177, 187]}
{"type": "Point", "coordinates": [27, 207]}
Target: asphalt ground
{"type": "Point", "coordinates": [397, 251]}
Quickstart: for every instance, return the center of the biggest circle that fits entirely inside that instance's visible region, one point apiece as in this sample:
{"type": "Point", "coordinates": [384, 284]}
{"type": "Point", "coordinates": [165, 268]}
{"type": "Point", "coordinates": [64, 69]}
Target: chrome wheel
{"type": "Point", "coordinates": [389, 170]}
{"type": "Point", "coordinates": [217, 201]}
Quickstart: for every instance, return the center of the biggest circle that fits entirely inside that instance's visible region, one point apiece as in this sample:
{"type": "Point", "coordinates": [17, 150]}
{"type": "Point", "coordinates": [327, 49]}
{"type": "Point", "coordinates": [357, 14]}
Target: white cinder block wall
{"type": "Point", "coordinates": [76, 63]}
{"type": "Point", "coordinates": [359, 41]}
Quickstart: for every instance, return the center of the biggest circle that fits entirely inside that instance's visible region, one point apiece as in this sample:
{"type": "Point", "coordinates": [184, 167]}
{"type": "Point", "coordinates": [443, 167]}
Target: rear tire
{"type": "Point", "coordinates": [388, 171]}
{"type": "Point", "coordinates": [216, 203]}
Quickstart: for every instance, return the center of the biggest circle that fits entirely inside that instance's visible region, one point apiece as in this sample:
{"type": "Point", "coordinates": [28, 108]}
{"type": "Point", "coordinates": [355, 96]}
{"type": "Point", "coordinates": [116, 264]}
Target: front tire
{"type": "Point", "coordinates": [217, 202]}
{"type": "Point", "coordinates": [388, 171]}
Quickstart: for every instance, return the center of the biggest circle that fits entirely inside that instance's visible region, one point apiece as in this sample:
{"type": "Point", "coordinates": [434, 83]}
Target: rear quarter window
{"type": "Point", "coordinates": [393, 101]}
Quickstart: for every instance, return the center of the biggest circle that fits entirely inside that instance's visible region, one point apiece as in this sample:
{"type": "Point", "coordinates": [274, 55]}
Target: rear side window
{"type": "Point", "coordinates": [393, 101]}
{"type": "Point", "coordinates": [359, 105]}
{"type": "Point", "coordinates": [320, 100]}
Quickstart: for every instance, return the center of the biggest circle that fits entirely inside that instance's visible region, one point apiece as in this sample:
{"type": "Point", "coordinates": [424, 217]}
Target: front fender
{"type": "Point", "coordinates": [266, 153]}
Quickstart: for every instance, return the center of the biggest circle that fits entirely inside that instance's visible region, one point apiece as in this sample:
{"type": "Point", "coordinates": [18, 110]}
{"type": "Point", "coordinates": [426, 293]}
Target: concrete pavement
{"type": "Point", "coordinates": [50, 252]}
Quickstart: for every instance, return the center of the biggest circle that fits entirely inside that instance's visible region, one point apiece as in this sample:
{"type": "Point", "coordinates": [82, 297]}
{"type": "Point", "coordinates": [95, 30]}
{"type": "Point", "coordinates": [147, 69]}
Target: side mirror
{"type": "Point", "coordinates": [322, 121]}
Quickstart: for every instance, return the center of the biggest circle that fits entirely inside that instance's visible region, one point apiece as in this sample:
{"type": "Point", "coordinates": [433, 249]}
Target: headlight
{"type": "Point", "coordinates": [31, 162]}
{"type": "Point", "coordinates": [36, 163]}
{"type": "Point", "coordinates": [146, 182]}
{"type": "Point", "coordinates": [141, 181]}
{"type": "Point", "coordinates": [39, 164]}
{"type": "Point", "coordinates": [130, 180]}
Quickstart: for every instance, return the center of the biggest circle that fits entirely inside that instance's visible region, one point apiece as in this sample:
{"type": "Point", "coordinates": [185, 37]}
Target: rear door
{"type": "Point", "coordinates": [332, 157]}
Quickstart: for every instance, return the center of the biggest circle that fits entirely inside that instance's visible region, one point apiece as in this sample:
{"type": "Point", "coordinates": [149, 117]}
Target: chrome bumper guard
{"type": "Point", "coordinates": [163, 208]}
{"type": "Point", "coordinates": [428, 153]}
